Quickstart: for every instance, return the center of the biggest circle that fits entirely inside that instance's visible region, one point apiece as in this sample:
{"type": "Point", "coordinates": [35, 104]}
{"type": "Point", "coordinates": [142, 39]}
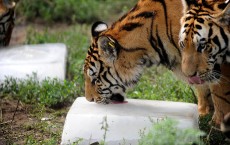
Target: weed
{"type": "Point", "coordinates": [49, 92]}
{"type": "Point", "coordinates": [105, 127]}
{"type": "Point", "coordinates": [71, 11]}
{"type": "Point", "coordinates": [165, 132]}
{"type": "Point", "coordinates": [160, 84]}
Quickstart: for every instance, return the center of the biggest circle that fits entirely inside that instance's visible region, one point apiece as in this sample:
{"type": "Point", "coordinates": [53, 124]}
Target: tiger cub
{"type": "Point", "coordinates": [204, 41]}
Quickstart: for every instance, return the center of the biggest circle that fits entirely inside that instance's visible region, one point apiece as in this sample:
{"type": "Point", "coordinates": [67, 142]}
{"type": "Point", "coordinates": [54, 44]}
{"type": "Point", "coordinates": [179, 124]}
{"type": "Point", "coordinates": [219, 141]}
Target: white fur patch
{"type": "Point", "coordinates": [101, 27]}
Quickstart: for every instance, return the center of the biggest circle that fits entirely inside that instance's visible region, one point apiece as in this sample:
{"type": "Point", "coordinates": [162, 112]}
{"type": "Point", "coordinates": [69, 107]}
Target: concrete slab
{"type": "Point", "coordinates": [47, 60]}
{"type": "Point", "coordinates": [85, 119]}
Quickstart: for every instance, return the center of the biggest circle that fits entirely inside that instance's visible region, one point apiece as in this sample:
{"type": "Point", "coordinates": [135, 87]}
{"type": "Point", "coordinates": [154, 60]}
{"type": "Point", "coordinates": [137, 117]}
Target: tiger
{"type": "Point", "coordinates": [206, 30]}
{"type": "Point", "coordinates": [7, 8]}
{"type": "Point", "coordinates": [204, 42]}
{"type": "Point", "coordinates": [147, 35]}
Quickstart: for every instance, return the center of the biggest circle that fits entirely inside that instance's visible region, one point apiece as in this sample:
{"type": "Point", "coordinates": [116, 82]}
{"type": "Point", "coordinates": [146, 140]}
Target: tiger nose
{"type": "Point", "coordinates": [92, 100]}
{"type": "Point", "coordinates": [89, 97]}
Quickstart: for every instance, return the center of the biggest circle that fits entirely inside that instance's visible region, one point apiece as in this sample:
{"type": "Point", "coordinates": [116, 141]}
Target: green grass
{"type": "Point", "coordinates": [157, 83]}
{"type": "Point", "coordinates": [49, 92]}
{"type": "Point", "coordinates": [72, 11]}
{"type": "Point", "coordinates": [166, 133]}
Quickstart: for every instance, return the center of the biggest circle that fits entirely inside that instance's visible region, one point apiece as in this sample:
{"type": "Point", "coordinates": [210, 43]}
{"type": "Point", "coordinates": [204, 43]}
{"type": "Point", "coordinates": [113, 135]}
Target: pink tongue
{"type": "Point", "coordinates": [195, 80]}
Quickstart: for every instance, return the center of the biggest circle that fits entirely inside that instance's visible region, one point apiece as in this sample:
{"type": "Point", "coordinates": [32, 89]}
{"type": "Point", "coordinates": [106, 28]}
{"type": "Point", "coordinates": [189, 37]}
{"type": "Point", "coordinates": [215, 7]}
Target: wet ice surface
{"type": "Point", "coordinates": [125, 120]}
{"type": "Point", "coordinates": [46, 60]}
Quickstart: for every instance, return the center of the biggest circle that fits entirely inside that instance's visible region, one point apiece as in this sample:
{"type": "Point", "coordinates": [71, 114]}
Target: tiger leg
{"type": "Point", "coordinates": [221, 95]}
{"type": "Point", "coordinates": [205, 105]}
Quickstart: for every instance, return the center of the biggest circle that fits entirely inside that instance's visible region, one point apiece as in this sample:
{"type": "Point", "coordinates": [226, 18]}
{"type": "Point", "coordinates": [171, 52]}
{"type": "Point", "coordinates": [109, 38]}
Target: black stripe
{"type": "Point", "coordinates": [101, 67]}
{"type": "Point", "coordinates": [94, 57]}
{"type": "Point", "coordinates": [198, 27]}
{"type": "Point", "coordinates": [104, 76]}
{"type": "Point", "coordinates": [225, 37]}
{"type": "Point", "coordinates": [188, 18]}
{"type": "Point", "coordinates": [92, 63]}
{"type": "Point", "coordinates": [133, 49]}
{"type": "Point", "coordinates": [210, 32]}
{"type": "Point", "coordinates": [144, 15]}
{"type": "Point", "coordinates": [119, 76]}
{"type": "Point", "coordinates": [216, 41]}
{"type": "Point", "coordinates": [153, 42]}
{"type": "Point", "coordinates": [224, 99]}
{"type": "Point", "coordinates": [163, 52]}
{"type": "Point", "coordinates": [109, 72]}
{"type": "Point", "coordinates": [228, 53]}
{"type": "Point", "coordinates": [200, 20]}
{"type": "Point", "coordinates": [166, 17]}
{"type": "Point", "coordinates": [122, 18]}
{"type": "Point", "coordinates": [186, 25]}
{"type": "Point", "coordinates": [195, 32]}
{"type": "Point", "coordinates": [130, 26]}
{"type": "Point", "coordinates": [172, 40]}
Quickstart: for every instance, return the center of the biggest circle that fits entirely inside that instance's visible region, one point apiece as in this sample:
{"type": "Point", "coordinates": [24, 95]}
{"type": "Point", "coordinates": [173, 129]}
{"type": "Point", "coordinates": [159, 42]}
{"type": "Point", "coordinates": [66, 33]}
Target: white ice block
{"type": "Point", "coordinates": [125, 121]}
{"type": "Point", "coordinates": [46, 60]}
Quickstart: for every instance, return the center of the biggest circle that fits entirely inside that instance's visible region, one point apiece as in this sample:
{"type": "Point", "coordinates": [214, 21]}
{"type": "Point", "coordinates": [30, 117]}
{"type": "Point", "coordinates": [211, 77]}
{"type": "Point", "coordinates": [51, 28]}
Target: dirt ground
{"type": "Point", "coordinates": [12, 121]}
{"type": "Point", "coordinates": [19, 121]}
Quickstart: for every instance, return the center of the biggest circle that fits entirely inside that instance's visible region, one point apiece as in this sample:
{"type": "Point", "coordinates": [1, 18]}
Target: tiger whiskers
{"type": "Point", "coordinates": [224, 78]}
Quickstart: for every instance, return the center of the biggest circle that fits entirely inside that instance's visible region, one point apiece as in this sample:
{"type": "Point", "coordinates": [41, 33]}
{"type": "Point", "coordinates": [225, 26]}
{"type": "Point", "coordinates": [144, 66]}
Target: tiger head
{"type": "Point", "coordinates": [109, 68]}
{"type": "Point", "coordinates": [204, 39]}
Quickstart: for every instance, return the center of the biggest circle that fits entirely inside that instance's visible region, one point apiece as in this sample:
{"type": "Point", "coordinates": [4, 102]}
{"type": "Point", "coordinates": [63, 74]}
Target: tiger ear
{"type": "Point", "coordinates": [107, 48]}
{"type": "Point", "coordinates": [224, 16]}
{"type": "Point", "coordinates": [97, 28]}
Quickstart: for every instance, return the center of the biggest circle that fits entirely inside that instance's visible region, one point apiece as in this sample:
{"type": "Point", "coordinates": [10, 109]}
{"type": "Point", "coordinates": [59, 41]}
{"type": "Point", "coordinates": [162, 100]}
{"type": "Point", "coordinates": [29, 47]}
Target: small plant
{"type": "Point", "coordinates": [104, 126]}
{"type": "Point", "coordinates": [71, 11]}
{"type": "Point", "coordinates": [166, 132]}
{"type": "Point", "coordinates": [161, 84]}
{"type": "Point", "coordinates": [49, 92]}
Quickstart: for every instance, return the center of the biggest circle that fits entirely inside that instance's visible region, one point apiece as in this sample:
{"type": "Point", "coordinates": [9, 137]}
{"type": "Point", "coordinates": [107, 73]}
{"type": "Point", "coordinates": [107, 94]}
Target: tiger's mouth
{"type": "Point", "coordinates": [210, 76]}
{"type": "Point", "coordinates": [117, 98]}
{"type": "Point", "coordinates": [195, 80]}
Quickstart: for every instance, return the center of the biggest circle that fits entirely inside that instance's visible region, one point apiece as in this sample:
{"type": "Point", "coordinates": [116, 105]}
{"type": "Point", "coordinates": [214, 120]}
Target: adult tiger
{"type": "Point", "coordinates": [204, 39]}
{"type": "Point", "coordinates": [147, 35]}
{"type": "Point", "coordinates": [6, 21]}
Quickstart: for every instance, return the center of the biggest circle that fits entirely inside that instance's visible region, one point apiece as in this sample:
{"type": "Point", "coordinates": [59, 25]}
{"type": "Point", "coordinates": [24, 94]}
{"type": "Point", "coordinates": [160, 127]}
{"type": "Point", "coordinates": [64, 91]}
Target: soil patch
{"type": "Point", "coordinates": [19, 122]}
